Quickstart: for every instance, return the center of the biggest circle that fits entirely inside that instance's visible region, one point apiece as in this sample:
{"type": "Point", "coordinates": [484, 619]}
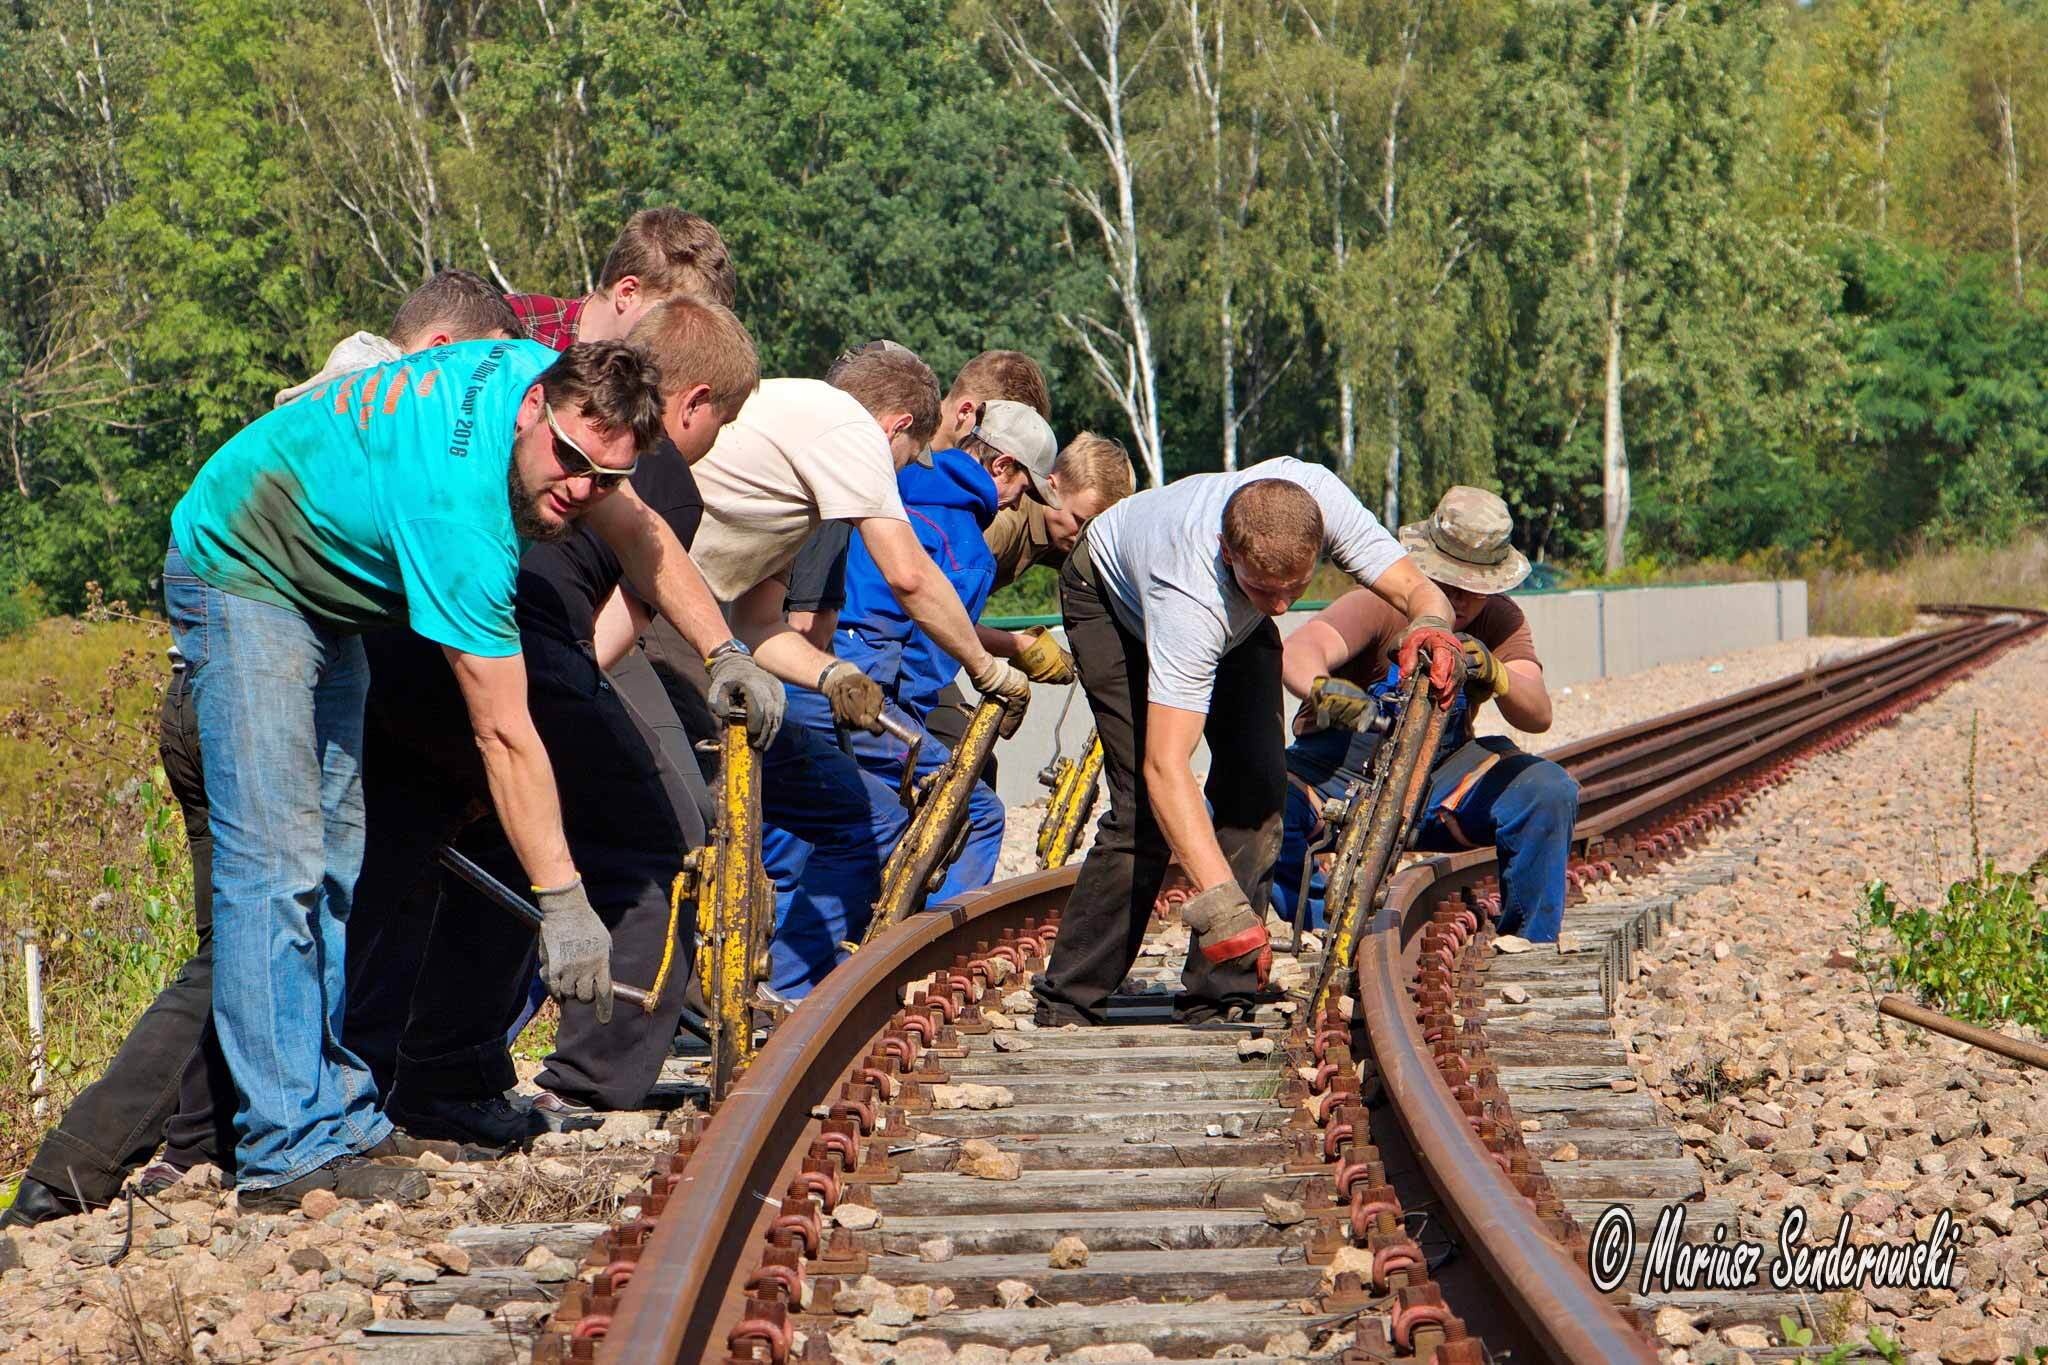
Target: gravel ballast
{"type": "Point", "coordinates": [244, 1288]}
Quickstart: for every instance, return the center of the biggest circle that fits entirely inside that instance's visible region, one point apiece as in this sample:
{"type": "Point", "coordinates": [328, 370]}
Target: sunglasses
{"type": "Point", "coordinates": [583, 467]}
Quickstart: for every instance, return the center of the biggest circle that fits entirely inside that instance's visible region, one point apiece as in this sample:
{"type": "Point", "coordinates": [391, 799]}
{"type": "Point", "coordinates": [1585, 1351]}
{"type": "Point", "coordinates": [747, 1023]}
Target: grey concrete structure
{"type": "Point", "coordinates": [1582, 635]}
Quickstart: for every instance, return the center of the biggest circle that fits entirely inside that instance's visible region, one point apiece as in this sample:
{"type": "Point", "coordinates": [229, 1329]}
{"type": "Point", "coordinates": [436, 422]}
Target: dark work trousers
{"type": "Point", "coordinates": [1104, 924]}
{"type": "Point", "coordinates": [619, 802]}
{"type": "Point", "coordinates": [162, 1082]}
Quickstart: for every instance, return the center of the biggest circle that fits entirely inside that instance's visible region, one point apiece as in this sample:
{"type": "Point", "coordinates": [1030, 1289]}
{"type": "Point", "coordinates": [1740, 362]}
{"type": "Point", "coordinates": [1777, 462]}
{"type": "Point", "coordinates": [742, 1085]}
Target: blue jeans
{"type": "Point", "coordinates": [1523, 805]}
{"type": "Point", "coordinates": [827, 828]}
{"type": "Point", "coordinates": [280, 706]}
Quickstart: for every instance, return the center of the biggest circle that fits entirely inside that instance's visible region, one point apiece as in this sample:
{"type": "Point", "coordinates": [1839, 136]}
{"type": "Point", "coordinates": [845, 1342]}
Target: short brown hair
{"type": "Point", "coordinates": [1009, 375]}
{"type": "Point", "coordinates": [887, 377]}
{"type": "Point", "coordinates": [695, 341]}
{"type": "Point", "coordinates": [1275, 527]}
{"type": "Point", "coordinates": [1096, 463]}
{"type": "Point", "coordinates": [672, 252]}
{"type": "Point", "coordinates": [461, 303]}
{"type": "Point", "coordinates": [615, 387]}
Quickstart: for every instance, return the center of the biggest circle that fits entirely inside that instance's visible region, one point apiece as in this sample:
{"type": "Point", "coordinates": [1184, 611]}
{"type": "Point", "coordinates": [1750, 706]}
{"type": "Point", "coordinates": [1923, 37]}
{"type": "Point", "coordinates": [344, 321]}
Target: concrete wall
{"type": "Point", "coordinates": [1581, 635]}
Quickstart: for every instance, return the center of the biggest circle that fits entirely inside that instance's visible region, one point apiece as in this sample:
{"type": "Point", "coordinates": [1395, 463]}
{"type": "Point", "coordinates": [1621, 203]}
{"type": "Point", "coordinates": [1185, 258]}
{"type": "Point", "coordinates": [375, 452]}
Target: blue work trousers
{"type": "Point", "coordinates": [828, 827]}
{"type": "Point", "coordinates": [280, 704]}
{"type": "Point", "coordinates": [882, 755]}
{"type": "Point", "coordinates": [1523, 805]}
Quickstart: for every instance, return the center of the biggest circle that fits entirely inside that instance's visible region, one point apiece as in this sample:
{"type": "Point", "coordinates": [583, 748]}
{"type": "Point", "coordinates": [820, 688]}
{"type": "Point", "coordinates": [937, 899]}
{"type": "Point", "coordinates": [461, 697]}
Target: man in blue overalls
{"type": "Point", "coordinates": [950, 502]}
{"type": "Point", "coordinates": [1482, 790]}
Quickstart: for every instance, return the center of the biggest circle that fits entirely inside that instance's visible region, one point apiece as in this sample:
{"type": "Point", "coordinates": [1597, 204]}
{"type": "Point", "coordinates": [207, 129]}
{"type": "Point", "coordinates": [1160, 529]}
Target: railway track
{"type": "Point", "coordinates": [1358, 1185]}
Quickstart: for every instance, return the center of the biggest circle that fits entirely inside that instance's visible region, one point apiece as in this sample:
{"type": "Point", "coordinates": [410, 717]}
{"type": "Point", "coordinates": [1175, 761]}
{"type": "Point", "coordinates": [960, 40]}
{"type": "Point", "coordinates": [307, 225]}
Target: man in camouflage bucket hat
{"type": "Point", "coordinates": [1483, 790]}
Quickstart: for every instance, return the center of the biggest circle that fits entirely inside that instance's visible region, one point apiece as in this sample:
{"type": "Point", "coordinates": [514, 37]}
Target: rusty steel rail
{"type": "Point", "coordinates": [1450, 1113]}
{"type": "Point", "coordinates": [671, 1289]}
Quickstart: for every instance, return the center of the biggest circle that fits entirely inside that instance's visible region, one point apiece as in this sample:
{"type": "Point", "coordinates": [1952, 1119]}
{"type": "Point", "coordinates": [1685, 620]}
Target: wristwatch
{"type": "Point", "coordinates": [730, 647]}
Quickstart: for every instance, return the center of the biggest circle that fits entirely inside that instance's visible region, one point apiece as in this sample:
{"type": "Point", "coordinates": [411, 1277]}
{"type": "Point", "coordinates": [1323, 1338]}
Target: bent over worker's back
{"type": "Point", "coordinates": [379, 498]}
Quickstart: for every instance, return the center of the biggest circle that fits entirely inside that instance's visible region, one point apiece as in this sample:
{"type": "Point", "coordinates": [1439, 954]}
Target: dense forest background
{"type": "Point", "coordinates": [1695, 279]}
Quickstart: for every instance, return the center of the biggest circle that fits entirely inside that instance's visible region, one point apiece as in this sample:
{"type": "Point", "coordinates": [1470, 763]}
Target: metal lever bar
{"type": "Point", "coordinates": [1074, 784]}
{"type": "Point", "coordinates": [735, 908]}
{"type": "Point", "coordinates": [516, 905]}
{"type": "Point", "coordinates": [1371, 844]}
{"type": "Point", "coordinates": [937, 822]}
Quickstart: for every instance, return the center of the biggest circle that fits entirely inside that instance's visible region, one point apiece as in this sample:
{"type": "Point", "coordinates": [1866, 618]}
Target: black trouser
{"type": "Point", "coordinates": [1104, 924]}
{"type": "Point", "coordinates": [619, 805]}
{"type": "Point", "coordinates": [170, 1064]}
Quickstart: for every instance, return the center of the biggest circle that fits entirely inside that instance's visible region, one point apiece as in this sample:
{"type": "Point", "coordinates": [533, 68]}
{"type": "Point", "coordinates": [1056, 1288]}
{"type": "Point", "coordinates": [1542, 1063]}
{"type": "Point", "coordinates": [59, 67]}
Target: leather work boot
{"type": "Point", "coordinates": [35, 1202]}
{"type": "Point", "coordinates": [349, 1177]}
{"type": "Point", "coordinates": [494, 1123]}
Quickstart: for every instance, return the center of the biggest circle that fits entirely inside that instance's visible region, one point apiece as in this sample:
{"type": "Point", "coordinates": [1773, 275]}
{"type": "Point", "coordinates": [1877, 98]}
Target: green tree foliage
{"type": "Point", "coordinates": [1775, 262]}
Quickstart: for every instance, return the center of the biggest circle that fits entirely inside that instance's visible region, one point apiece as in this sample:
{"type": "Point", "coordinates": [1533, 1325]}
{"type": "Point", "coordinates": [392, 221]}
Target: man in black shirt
{"type": "Point", "coordinates": [623, 806]}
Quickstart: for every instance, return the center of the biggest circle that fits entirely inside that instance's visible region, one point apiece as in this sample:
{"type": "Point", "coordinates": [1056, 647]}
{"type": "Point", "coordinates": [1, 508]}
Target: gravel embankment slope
{"type": "Point", "coordinates": [1835, 1115]}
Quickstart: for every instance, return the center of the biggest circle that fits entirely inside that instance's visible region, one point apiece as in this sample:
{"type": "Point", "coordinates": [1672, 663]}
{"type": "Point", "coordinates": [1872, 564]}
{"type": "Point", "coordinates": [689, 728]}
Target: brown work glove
{"type": "Point", "coordinates": [997, 680]}
{"type": "Point", "coordinates": [1446, 656]}
{"type": "Point", "coordinates": [1227, 930]}
{"type": "Point", "coordinates": [1486, 677]}
{"type": "Point", "coordinates": [1042, 659]}
{"type": "Point", "coordinates": [856, 698]}
{"type": "Point", "coordinates": [1338, 705]}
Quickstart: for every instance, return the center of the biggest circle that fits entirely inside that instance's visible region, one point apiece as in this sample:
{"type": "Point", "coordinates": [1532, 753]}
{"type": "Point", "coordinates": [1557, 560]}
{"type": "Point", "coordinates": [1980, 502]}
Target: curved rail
{"type": "Point", "coordinates": [687, 1293]}
{"type": "Point", "coordinates": [1750, 731]}
{"type": "Point", "coordinates": [1654, 787]}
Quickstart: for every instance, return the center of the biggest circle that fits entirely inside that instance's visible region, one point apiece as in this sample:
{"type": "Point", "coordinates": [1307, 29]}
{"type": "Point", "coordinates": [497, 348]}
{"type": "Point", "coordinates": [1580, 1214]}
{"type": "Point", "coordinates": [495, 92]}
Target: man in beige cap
{"type": "Point", "coordinates": [1482, 790]}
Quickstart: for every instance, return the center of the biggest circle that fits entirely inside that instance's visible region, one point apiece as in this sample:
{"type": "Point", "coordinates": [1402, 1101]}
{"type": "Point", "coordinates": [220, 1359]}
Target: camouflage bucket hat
{"type": "Point", "coordinates": [1465, 542]}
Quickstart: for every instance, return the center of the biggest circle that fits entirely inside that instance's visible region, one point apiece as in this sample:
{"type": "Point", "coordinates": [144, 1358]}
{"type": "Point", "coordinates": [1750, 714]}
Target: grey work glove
{"type": "Point", "coordinates": [740, 684]}
{"type": "Point", "coordinates": [997, 680]}
{"type": "Point", "coordinates": [575, 948]}
{"type": "Point", "coordinates": [1227, 929]}
{"type": "Point", "coordinates": [856, 698]}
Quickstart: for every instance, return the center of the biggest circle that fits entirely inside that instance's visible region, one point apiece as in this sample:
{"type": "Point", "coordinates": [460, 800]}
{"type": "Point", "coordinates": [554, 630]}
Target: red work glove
{"type": "Point", "coordinates": [1446, 655]}
{"type": "Point", "coordinates": [1227, 929]}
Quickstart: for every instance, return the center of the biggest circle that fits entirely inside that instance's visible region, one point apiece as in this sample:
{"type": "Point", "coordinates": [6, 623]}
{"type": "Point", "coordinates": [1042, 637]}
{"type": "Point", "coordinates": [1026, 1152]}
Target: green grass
{"type": "Point", "coordinates": [92, 854]}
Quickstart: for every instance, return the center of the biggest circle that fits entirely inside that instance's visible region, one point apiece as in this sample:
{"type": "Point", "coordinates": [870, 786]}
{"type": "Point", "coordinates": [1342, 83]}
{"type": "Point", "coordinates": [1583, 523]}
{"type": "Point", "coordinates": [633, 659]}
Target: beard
{"type": "Point", "coordinates": [526, 517]}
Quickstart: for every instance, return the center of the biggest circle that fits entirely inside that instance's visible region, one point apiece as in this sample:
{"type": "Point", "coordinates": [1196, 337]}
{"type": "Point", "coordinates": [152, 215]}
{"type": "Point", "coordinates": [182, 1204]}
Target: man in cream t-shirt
{"type": "Point", "coordinates": [801, 452]}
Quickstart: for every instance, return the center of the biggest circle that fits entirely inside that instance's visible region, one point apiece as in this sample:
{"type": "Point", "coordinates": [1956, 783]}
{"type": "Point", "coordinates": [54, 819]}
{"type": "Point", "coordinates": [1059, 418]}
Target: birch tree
{"type": "Point", "coordinates": [1090, 58]}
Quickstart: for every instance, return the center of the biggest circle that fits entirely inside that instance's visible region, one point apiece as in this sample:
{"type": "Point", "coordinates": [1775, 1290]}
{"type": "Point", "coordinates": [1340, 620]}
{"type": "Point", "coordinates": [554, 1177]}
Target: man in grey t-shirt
{"type": "Point", "coordinates": [1168, 604]}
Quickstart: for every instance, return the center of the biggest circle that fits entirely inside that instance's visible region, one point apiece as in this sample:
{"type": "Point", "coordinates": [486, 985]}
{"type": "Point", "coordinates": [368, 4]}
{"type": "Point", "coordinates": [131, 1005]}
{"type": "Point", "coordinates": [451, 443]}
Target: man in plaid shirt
{"type": "Point", "coordinates": [659, 253]}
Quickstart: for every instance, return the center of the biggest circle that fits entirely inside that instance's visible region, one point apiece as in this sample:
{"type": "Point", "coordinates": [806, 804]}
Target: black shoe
{"type": "Point", "coordinates": [35, 1202]}
{"type": "Point", "coordinates": [349, 1177]}
{"type": "Point", "coordinates": [400, 1145]}
{"type": "Point", "coordinates": [158, 1176]}
{"type": "Point", "coordinates": [561, 1115]}
{"type": "Point", "coordinates": [1045, 1014]}
{"type": "Point", "coordinates": [493, 1123]}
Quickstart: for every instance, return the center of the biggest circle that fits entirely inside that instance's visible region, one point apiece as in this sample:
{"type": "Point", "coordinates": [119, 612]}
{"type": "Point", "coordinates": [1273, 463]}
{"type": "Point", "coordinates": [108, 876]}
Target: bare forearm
{"type": "Point", "coordinates": [1004, 644]}
{"type": "Point", "coordinates": [788, 655]}
{"type": "Point", "coordinates": [1527, 703]}
{"type": "Point", "coordinates": [816, 626]}
{"type": "Point", "coordinates": [934, 605]}
{"type": "Point", "coordinates": [522, 784]}
{"type": "Point", "coordinates": [1184, 818]}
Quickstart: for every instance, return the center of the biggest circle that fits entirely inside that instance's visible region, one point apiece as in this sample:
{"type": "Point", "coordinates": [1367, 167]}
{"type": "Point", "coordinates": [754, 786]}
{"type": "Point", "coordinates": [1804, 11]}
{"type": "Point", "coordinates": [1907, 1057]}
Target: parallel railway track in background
{"type": "Point", "coordinates": [1428, 1223]}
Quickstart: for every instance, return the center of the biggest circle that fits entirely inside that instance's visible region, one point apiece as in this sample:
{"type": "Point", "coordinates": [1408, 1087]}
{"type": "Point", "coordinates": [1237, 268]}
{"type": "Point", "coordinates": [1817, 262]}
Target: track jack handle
{"type": "Point", "coordinates": [523, 910]}
{"type": "Point", "coordinates": [735, 908]}
{"type": "Point", "coordinates": [1374, 837]}
{"type": "Point", "coordinates": [938, 817]}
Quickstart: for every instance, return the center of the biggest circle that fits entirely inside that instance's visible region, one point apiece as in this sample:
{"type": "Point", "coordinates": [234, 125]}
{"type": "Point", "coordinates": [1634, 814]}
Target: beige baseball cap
{"type": "Point", "coordinates": [1465, 542]}
{"type": "Point", "coordinates": [1016, 430]}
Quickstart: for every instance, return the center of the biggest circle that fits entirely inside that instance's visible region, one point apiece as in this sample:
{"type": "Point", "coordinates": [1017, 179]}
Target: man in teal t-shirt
{"type": "Point", "coordinates": [401, 494]}
{"type": "Point", "coordinates": [369, 502]}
